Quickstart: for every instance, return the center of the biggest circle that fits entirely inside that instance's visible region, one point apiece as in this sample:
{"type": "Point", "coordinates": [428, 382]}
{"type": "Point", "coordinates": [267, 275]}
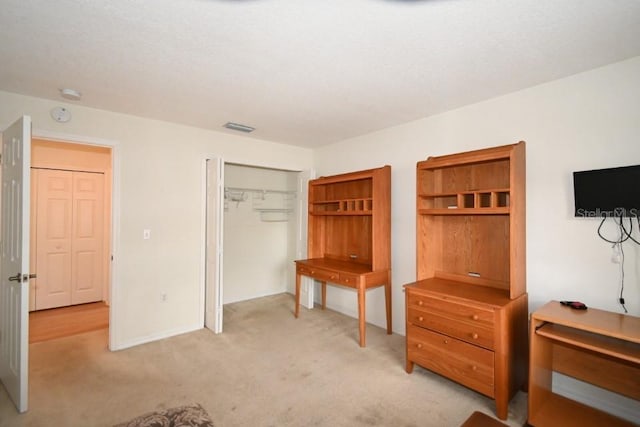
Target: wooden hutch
{"type": "Point", "coordinates": [349, 236]}
{"type": "Point", "coordinates": [466, 314]}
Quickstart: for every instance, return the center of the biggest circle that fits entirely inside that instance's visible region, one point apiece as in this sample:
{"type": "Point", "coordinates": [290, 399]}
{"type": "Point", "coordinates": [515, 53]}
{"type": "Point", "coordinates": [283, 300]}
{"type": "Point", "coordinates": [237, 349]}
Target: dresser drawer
{"type": "Point", "coordinates": [318, 273]}
{"type": "Point", "coordinates": [467, 364]}
{"type": "Point", "coordinates": [453, 310]}
{"type": "Point", "coordinates": [469, 331]}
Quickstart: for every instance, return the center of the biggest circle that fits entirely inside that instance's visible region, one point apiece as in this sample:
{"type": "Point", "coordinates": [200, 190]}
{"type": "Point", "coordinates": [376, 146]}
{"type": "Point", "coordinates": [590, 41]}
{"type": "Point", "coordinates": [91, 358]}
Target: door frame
{"type": "Point", "coordinates": [203, 226]}
{"type": "Point", "coordinates": [114, 341]}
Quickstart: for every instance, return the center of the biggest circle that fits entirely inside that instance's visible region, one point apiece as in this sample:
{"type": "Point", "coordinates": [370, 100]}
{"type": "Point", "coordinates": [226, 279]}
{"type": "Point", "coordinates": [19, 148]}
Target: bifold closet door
{"type": "Point", "coordinates": [87, 261]}
{"type": "Point", "coordinates": [54, 206]}
{"type": "Point", "coordinates": [69, 236]}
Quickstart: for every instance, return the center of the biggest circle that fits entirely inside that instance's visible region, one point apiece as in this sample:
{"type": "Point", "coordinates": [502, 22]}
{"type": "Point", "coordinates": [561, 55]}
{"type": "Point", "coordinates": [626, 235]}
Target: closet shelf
{"type": "Point", "coordinates": [259, 190]}
{"type": "Point", "coordinates": [275, 210]}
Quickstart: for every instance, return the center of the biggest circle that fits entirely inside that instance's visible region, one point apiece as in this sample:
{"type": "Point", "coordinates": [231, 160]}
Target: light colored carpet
{"type": "Point", "coordinates": [266, 369]}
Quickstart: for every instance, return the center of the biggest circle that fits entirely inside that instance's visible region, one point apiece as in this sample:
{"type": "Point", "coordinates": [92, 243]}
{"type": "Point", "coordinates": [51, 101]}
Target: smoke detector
{"type": "Point", "coordinates": [60, 114]}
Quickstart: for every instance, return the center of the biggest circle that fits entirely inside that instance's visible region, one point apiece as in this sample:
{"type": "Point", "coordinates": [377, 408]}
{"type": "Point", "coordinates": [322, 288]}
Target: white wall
{"type": "Point", "coordinates": [256, 244]}
{"type": "Point", "coordinates": [587, 121]}
{"type": "Point", "coordinates": [160, 187]}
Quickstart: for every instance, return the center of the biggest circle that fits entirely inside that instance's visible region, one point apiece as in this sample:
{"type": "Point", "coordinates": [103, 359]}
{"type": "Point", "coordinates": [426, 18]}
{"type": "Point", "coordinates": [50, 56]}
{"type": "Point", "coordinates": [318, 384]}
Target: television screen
{"type": "Point", "coordinates": [607, 192]}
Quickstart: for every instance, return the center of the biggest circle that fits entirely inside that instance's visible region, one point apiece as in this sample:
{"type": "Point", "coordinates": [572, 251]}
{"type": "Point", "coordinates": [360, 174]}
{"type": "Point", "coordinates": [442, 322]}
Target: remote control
{"type": "Point", "coordinates": [577, 305]}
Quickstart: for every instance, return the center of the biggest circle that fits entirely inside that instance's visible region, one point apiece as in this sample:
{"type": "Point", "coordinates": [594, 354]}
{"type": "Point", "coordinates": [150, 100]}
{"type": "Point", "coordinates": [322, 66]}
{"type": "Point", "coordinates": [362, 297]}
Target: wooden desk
{"type": "Point", "coordinates": [596, 346]}
{"type": "Point", "coordinates": [349, 274]}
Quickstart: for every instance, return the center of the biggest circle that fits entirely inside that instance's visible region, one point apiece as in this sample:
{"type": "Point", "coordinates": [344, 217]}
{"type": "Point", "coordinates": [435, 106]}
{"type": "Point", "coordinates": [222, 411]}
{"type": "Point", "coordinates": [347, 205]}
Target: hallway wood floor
{"type": "Point", "coordinates": [61, 322]}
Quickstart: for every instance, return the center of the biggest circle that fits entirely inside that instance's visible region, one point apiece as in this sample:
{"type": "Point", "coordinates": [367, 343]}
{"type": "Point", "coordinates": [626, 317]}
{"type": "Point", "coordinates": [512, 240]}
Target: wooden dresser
{"type": "Point", "coordinates": [473, 335]}
{"type": "Point", "coordinates": [466, 315]}
{"type": "Point", "coordinates": [349, 237]}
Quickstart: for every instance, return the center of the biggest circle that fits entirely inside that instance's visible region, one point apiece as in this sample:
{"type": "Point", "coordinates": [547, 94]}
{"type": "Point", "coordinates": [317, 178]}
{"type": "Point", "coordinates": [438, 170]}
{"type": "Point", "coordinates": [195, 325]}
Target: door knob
{"type": "Point", "coordinates": [22, 277]}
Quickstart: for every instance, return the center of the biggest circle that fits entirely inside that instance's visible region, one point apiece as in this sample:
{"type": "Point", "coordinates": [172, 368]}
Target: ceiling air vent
{"type": "Point", "coordinates": [238, 127]}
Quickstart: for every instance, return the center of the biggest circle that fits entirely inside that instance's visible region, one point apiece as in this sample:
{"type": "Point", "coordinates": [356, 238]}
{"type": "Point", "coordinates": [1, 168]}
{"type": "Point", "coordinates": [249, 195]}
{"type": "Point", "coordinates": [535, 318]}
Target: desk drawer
{"type": "Point", "coordinates": [318, 273]}
{"type": "Point", "coordinates": [465, 363]}
{"type": "Point", "coordinates": [469, 331]}
{"type": "Point", "coordinates": [453, 310]}
{"type": "Point", "coordinates": [348, 279]}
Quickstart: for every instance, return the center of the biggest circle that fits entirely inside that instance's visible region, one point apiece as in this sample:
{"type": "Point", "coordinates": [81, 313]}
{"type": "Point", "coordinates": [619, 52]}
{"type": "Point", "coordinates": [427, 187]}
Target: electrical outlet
{"type": "Point", "coordinates": [146, 234]}
{"type": "Point", "coordinates": [163, 296]}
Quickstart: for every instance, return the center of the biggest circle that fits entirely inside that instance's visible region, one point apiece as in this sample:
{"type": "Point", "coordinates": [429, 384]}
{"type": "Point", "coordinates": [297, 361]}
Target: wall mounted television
{"type": "Point", "coordinates": [613, 192]}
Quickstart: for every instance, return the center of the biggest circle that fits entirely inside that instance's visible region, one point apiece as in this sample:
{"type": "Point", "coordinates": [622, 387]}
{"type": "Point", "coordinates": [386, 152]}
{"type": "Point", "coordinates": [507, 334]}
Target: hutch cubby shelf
{"type": "Point", "coordinates": [466, 313]}
{"type": "Point", "coordinates": [493, 201]}
{"type": "Point", "coordinates": [349, 236]}
{"type": "Point", "coordinates": [342, 207]}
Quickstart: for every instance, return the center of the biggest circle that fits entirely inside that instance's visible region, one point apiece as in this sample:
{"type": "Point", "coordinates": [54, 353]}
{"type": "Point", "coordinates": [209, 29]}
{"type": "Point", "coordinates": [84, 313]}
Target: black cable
{"type": "Point", "coordinates": [624, 236]}
{"type": "Point", "coordinates": [621, 298]}
{"type": "Point", "coordinates": [615, 242]}
{"type": "Point", "coordinates": [628, 233]}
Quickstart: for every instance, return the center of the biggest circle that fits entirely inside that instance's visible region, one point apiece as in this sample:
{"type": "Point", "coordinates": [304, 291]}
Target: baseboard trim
{"type": "Point", "coordinates": [155, 337]}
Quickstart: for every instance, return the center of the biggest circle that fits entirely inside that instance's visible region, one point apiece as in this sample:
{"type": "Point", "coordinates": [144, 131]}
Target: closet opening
{"type": "Point", "coordinates": [258, 231]}
{"type": "Point", "coordinates": [256, 228]}
{"type": "Point", "coordinates": [70, 246]}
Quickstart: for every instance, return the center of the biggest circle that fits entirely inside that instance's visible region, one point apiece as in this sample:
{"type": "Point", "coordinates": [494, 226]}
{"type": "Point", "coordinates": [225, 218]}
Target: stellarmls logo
{"type": "Point", "coordinates": [616, 213]}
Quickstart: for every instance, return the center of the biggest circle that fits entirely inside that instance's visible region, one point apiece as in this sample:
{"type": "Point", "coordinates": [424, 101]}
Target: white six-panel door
{"type": "Point", "coordinates": [14, 262]}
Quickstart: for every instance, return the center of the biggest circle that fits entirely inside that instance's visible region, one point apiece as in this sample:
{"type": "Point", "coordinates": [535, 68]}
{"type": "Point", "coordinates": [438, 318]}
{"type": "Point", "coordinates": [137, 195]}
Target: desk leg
{"type": "Point", "coordinates": [540, 371]}
{"type": "Point", "coordinates": [361, 313]}
{"type": "Point", "coordinates": [324, 295]}
{"type": "Point", "coordinates": [387, 300]}
{"type": "Point", "coordinates": [297, 308]}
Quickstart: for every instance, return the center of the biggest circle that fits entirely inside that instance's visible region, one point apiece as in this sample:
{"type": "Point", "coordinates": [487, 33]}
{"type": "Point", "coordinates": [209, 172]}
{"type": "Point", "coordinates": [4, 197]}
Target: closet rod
{"type": "Point", "coordinates": [259, 190]}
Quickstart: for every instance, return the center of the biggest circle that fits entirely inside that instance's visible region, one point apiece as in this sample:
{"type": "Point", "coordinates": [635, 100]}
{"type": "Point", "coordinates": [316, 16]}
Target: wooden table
{"type": "Point", "coordinates": [348, 274]}
{"type": "Point", "coordinates": [596, 346]}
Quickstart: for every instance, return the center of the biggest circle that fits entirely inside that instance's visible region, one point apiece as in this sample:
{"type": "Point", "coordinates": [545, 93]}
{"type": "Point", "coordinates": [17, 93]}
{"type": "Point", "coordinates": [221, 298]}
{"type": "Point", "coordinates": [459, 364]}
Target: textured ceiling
{"type": "Point", "coordinates": [303, 72]}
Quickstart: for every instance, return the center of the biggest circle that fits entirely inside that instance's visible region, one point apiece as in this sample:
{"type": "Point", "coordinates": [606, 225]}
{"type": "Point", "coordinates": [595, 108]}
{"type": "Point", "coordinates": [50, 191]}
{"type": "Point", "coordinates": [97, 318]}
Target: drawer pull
{"type": "Point", "coordinates": [420, 303]}
{"type": "Point", "coordinates": [474, 317]}
{"type": "Point", "coordinates": [474, 336]}
{"type": "Point", "coordinates": [420, 319]}
{"type": "Point", "coordinates": [474, 368]}
{"type": "Point", "coordinates": [419, 345]}
{"type": "Point", "coordinates": [446, 341]}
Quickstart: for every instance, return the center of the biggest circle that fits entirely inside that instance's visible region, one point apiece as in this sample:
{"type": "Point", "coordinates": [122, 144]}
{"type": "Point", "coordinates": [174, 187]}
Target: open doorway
{"type": "Point", "coordinates": [255, 228]}
{"type": "Point", "coordinates": [70, 238]}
